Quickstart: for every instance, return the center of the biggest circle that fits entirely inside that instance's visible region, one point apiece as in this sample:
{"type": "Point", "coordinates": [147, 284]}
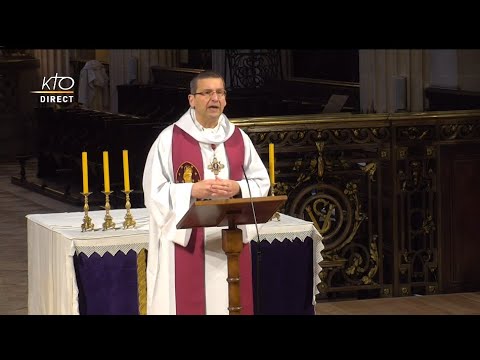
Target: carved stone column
{"type": "Point", "coordinates": [381, 74]}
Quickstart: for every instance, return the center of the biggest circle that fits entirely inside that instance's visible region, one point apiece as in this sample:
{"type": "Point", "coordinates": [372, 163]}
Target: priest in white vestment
{"type": "Point", "coordinates": [200, 156]}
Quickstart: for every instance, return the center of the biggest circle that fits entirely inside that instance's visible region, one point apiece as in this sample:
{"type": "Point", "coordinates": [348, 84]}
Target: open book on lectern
{"type": "Point", "coordinates": [224, 212]}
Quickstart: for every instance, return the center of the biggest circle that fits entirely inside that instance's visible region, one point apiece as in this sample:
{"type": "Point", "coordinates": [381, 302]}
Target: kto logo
{"type": "Point", "coordinates": [54, 86]}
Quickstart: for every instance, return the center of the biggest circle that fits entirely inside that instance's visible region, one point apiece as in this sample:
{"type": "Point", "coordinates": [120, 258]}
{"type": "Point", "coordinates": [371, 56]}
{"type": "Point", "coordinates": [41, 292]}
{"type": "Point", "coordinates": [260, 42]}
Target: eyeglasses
{"type": "Point", "coordinates": [209, 93]}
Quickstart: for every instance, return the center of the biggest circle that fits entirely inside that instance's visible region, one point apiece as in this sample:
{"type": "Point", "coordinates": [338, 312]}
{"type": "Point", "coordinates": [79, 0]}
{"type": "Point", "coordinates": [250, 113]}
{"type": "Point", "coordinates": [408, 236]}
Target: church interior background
{"type": "Point", "coordinates": [378, 148]}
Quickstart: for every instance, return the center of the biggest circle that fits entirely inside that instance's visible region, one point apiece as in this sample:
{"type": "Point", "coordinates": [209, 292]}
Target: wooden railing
{"type": "Point", "coordinates": [381, 189]}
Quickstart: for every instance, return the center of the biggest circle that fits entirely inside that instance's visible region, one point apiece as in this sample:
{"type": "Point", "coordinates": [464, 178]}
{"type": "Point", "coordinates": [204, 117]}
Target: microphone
{"type": "Point", "coordinates": [259, 252]}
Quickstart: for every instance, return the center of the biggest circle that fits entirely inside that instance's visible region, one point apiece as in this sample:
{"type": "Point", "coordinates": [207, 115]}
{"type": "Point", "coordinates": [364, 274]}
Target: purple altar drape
{"type": "Point", "coordinates": [108, 285]}
{"type": "Point", "coordinates": [286, 277]}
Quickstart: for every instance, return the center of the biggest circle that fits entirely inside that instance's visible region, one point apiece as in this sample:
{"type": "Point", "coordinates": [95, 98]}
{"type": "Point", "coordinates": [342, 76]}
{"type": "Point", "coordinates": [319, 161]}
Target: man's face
{"type": "Point", "coordinates": [208, 107]}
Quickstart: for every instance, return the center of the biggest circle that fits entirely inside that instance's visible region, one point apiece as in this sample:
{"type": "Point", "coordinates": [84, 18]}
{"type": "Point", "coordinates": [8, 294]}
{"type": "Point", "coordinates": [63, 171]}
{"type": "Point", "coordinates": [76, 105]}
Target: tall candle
{"type": "Point", "coordinates": [126, 175]}
{"type": "Point", "coordinates": [106, 175]}
{"type": "Point", "coordinates": [271, 162]}
{"type": "Point", "coordinates": [85, 172]}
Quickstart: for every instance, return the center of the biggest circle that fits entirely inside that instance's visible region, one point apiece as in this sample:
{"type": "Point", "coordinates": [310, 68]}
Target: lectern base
{"type": "Point", "coordinates": [232, 245]}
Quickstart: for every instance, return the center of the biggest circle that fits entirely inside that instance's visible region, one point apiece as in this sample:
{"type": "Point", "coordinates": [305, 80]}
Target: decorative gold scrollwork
{"type": "Point", "coordinates": [428, 226]}
{"type": "Point", "coordinates": [320, 162]}
{"type": "Point", "coordinates": [327, 222]}
{"type": "Point", "coordinates": [369, 169]}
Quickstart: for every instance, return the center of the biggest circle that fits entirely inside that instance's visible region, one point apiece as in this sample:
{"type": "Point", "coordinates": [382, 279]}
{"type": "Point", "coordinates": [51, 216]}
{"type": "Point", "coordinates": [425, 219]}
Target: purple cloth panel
{"type": "Point", "coordinates": [189, 260]}
{"type": "Point", "coordinates": [190, 275]}
{"type": "Point", "coordinates": [107, 285]}
{"type": "Point", "coordinates": [286, 277]}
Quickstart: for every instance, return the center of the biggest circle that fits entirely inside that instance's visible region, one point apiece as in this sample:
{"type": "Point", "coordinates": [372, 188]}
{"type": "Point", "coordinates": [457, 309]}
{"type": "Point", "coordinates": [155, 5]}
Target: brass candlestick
{"type": "Point", "coordinates": [277, 214]}
{"type": "Point", "coordinates": [129, 222]}
{"type": "Point", "coordinates": [87, 224]}
{"type": "Point", "coordinates": [108, 224]}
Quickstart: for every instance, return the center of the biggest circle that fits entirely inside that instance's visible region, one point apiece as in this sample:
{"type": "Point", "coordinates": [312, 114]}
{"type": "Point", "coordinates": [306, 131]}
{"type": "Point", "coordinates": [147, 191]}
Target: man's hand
{"type": "Point", "coordinates": [215, 189]}
{"type": "Point", "coordinates": [225, 188]}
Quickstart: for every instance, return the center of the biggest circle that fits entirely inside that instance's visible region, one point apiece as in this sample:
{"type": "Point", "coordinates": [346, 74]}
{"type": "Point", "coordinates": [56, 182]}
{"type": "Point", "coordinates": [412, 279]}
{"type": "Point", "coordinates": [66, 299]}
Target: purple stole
{"type": "Point", "coordinates": [190, 260]}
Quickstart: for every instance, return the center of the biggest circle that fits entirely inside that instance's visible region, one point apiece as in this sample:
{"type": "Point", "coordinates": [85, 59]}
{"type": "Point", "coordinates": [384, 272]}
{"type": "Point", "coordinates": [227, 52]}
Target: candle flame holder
{"type": "Point", "coordinates": [275, 216]}
{"type": "Point", "coordinates": [87, 224]}
{"type": "Point", "coordinates": [108, 224]}
{"type": "Point", "coordinates": [129, 221]}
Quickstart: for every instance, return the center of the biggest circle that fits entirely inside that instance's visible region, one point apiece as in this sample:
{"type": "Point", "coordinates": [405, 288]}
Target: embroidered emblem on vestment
{"type": "Point", "coordinates": [187, 173]}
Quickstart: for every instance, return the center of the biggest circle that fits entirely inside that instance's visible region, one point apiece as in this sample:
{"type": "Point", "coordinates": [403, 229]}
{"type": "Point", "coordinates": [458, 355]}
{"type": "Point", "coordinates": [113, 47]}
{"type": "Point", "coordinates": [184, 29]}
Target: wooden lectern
{"type": "Point", "coordinates": [231, 213]}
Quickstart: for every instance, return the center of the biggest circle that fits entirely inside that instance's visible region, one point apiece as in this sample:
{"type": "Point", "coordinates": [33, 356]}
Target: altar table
{"type": "Point", "coordinates": [103, 272]}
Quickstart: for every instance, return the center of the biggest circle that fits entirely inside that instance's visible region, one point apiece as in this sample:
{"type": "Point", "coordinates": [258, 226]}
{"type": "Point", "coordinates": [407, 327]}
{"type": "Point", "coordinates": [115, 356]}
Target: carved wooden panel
{"type": "Point", "coordinates": [415, 236]}
{"type": "Point", "coordinates": [460, 222]}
